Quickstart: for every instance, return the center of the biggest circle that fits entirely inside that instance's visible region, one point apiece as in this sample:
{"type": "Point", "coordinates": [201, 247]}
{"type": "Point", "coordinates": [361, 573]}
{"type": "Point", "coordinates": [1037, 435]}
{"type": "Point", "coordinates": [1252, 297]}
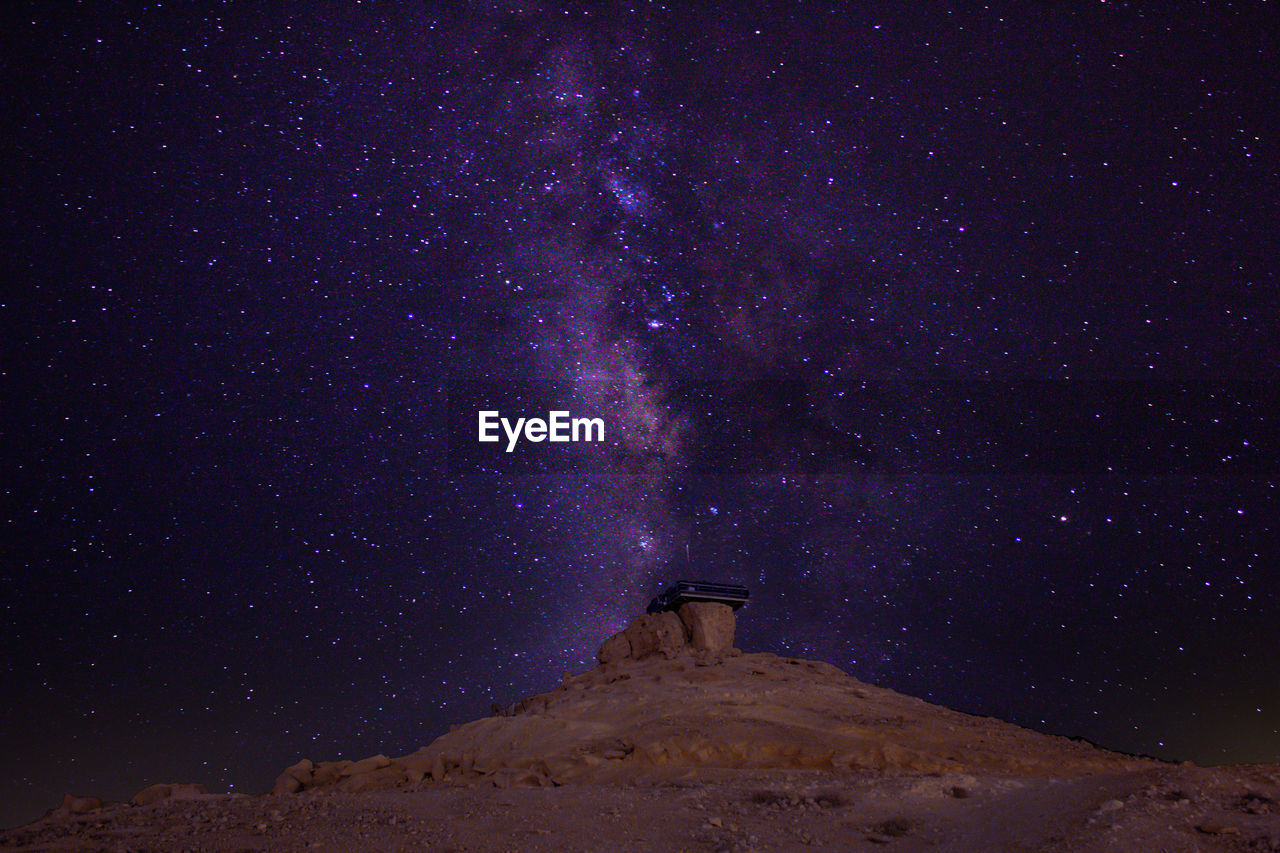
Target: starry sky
{"type": "Point", "coordinates": [948, 328]}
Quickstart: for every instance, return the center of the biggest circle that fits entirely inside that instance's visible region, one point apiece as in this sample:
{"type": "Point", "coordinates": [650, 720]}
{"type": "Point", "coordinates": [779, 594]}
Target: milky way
{"type": "Point", "coordinates": [950, 333]}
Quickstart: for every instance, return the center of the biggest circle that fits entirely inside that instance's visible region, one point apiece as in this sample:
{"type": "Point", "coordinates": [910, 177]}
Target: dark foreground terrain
{"type": "Point", "coordinates": [679, 741]}
{"type": "Point", "coordinates": [1166, 808]}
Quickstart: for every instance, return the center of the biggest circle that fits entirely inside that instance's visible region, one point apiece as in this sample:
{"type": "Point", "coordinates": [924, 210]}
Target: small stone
{"type": "Point", "coordinates": [1213, 828]}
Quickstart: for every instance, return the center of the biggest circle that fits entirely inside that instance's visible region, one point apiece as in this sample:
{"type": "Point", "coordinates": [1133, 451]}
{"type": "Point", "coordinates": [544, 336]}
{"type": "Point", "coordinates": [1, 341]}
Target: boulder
{"type": "Point", "coordinates": [295, 777]}
{"type": "Point", "coordinates": [286, 784]}
{"type": "Point", "coordinates": [710, 626]}
{"type": "Point", "coordinates": [328, 772]}
{"type": "Point", "coordinates": [302, 771]}
{"type": "Point", "coordinates": [654, 634]}
{"type": "Point", "coordinates": [616, 648]}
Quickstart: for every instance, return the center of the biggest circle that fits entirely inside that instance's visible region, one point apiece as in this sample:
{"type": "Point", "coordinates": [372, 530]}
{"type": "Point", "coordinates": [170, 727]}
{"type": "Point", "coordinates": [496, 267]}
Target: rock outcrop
{"type": "Point", "coordinates": [702, 628]}
{"type": "Point", "coordinates": [709, 627]}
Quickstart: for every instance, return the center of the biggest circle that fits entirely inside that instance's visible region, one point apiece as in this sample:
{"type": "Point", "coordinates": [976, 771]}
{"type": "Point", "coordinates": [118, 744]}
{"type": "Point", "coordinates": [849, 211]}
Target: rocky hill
{"type": "Point", "coordinates": [672, 694]}
{"type": "Point", "coordinates": [679, 740]}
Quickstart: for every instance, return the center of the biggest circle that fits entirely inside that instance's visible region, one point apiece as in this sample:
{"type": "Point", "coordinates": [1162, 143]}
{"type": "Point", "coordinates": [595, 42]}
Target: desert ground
{"type": "Point", "coordinates": [678, 741]}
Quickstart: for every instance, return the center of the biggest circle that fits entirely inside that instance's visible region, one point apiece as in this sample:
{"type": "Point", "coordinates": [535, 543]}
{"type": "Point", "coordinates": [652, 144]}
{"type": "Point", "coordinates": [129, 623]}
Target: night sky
{"type": "Point", "coordinates": [948, 329]}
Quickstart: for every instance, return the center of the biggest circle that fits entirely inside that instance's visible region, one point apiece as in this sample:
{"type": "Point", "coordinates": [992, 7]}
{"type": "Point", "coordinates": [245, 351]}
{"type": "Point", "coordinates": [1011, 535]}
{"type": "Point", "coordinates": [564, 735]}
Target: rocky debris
{"type": "Point", "coordinates": [162, 791]}
{"type": "Point", "coordinates": [703, 628]}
